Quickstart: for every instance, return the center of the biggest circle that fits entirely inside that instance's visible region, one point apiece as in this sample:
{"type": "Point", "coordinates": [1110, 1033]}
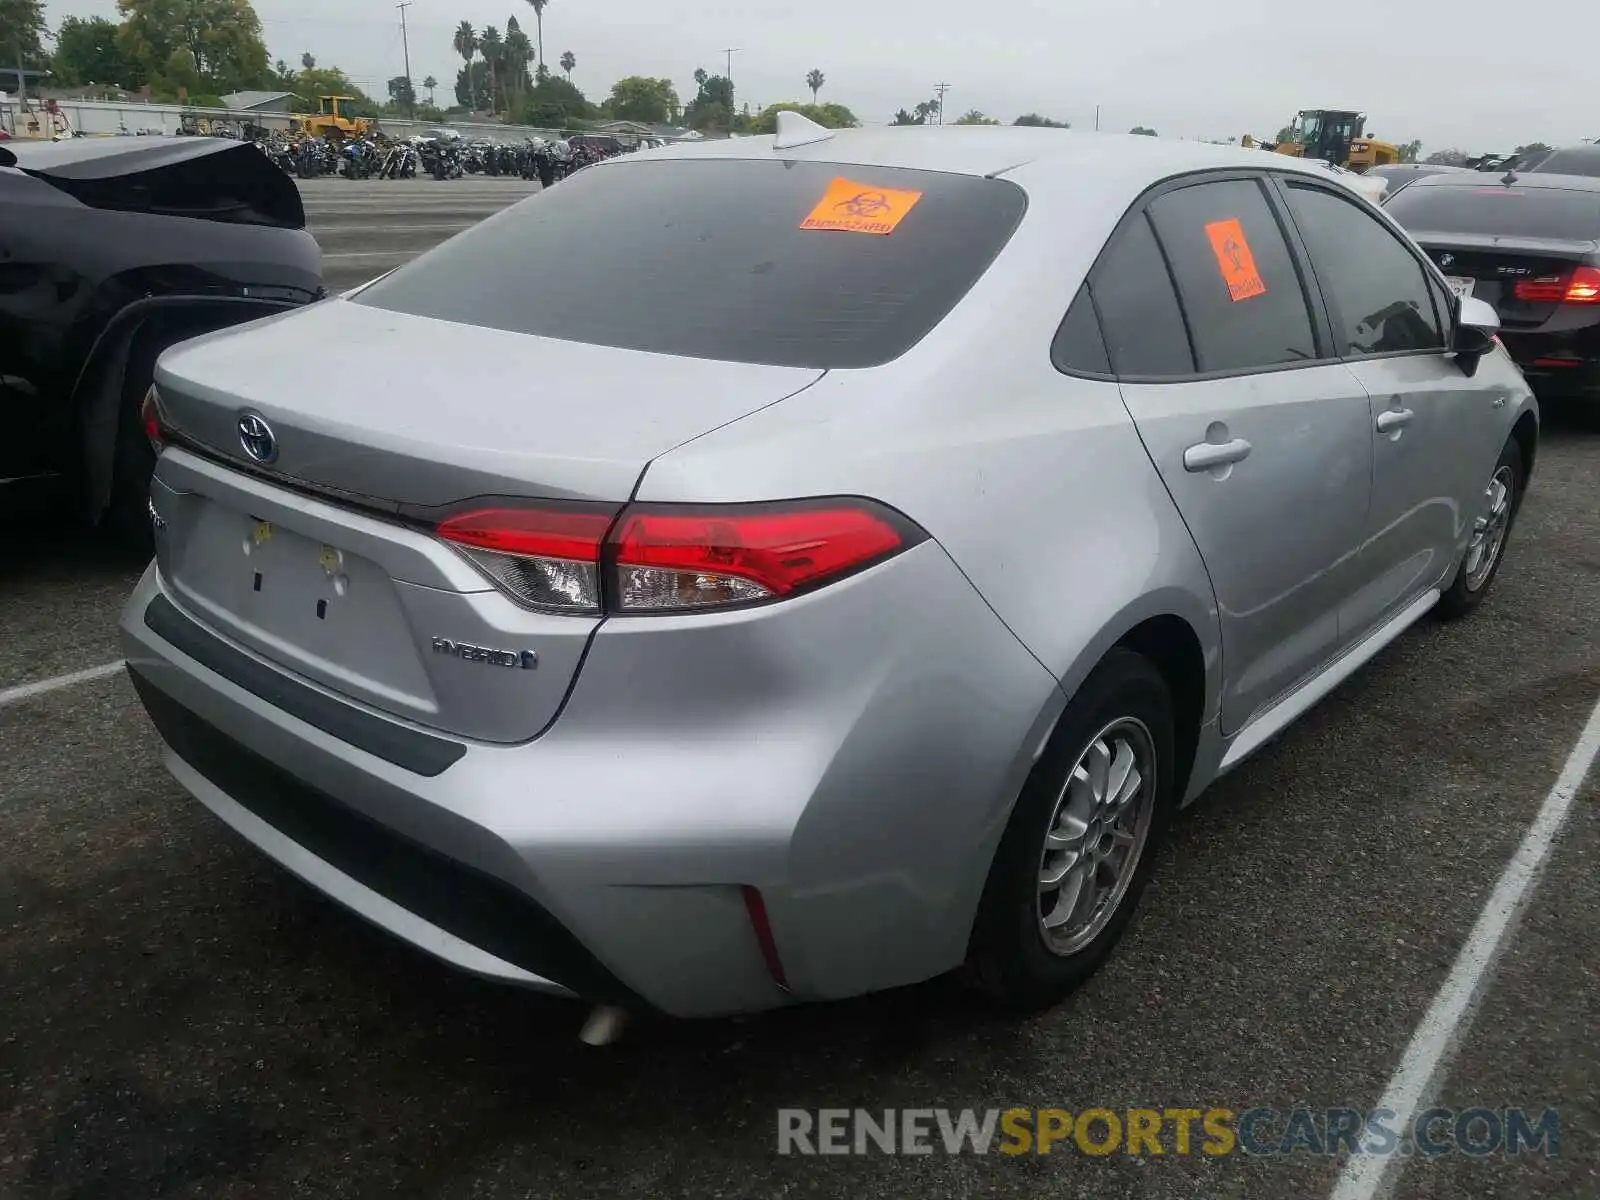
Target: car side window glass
{"type": "Point", "coordinates": [1378, 295]}
{"type": "Point", "coordinates": [1236, 277]}
{"type": "Point", "coordinates": [1078, 345]}
{"type": "Point", "coordinates": [1139, 314]}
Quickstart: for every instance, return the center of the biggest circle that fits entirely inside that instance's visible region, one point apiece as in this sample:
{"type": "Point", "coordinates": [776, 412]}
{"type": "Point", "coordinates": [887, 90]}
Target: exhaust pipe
{"type": "Point", "coordinates": [604, 1025]}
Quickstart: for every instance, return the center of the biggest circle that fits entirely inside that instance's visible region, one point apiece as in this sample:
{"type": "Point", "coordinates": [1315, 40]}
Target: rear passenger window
{"type": "Point", "coordinates": [1139, 314]}
{"type": "Point", "coordinates": [1240, 290]}
{"type": "Point", "coordinates": [1377, 293]}
{"type": "Point", "coordinates": [1078, 345]}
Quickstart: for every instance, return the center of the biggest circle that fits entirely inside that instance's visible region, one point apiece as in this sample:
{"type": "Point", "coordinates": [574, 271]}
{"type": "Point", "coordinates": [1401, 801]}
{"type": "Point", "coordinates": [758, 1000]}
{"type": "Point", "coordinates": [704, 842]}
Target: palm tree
{"type": "Point", "coordinates": [538, 7]}
{"type": "Point", "coordinates": [465, 41]}
{"type": "Point", "coordinates": [492, 49]}
{"type": "Point", "coordinates": [814, 80]}
{"type": "Point", "coordinates": [430, 83]}
{"type": "Point", "coordinates": [308, 61]}
{"type": "Point", "coordinates": [568, 61]}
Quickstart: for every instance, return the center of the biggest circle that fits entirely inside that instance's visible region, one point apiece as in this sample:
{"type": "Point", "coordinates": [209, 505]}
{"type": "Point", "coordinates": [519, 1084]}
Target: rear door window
{"type": "Point", "coordinates": [1139, 313]}
{"type": "Point", "coordinates": [713, 258]}
{"type": "Point", "coordinates": [1240, 289]}
{"type": "Point", "coordinates": [1376, 290]}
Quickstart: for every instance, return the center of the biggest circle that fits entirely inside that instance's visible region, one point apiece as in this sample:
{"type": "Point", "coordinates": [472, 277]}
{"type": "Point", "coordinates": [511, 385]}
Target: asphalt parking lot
{"type": "Point", "coordinates": [183, 1019]}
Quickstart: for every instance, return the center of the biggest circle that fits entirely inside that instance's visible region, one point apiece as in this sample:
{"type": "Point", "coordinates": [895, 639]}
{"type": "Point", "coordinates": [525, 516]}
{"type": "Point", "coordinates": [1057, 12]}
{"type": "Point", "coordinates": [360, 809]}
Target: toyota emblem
{"type": "Point", "coordinates": [256, 436]}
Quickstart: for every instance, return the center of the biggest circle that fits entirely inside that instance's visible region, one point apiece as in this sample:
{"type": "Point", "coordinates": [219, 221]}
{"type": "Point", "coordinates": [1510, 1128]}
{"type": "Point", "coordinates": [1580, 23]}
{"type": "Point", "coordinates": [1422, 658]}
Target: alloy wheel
{"type": "Point", "coordinates": [1096, 836]}
{"type": "Point", "coordinates": [1489, 529]}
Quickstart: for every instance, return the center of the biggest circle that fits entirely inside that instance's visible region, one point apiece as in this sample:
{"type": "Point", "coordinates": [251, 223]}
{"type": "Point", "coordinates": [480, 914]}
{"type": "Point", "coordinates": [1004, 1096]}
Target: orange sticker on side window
{"type": "Point", "coordinates": [853, 207]}
{"type": "Point", "coordinates": [1234, 260]}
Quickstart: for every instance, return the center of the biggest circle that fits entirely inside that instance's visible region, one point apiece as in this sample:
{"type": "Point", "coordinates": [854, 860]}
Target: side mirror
{"type": "Point", "coordinates": [1473, 334]}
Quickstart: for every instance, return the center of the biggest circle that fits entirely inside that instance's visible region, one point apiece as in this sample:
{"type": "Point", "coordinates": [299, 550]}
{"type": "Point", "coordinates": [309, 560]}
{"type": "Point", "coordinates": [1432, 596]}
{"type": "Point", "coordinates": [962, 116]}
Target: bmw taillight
{"type": "Point", "coordinates": [674, 558]}
{"type": "Point", "coordinates": [1581, 287]}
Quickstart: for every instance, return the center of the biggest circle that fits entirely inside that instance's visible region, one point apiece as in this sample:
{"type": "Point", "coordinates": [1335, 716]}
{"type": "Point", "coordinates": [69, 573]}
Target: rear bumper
{"type": "Point", "coordinates": [862, 793]}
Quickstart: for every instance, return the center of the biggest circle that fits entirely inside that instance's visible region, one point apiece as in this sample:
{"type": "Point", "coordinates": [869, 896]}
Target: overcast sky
{"type": "Point", "coordinates": [1472, 74]}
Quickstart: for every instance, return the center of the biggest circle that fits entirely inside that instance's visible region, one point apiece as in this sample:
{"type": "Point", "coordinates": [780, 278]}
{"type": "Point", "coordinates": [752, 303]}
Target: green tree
{"type": "Point", "coordinates": [1035, 120]}
{"type": "Point", "coordinates": [814, 80]}
{"type": "Point", "coordinates": [402, 95]}
{"type": "Point", "coordinates": [514, 78]}
{"type": "Point", "coordinates": [553, 103]}
{"type": "Point", "coordinates": [314, 82]}
{"type": "Point", "coordinates": [637, 98]}
{"type": "Point", "coordinates": [222, 40]}
{"type": "Point", "coordinates": [1409, 151]}
{"type": "Point", "coordinates": [927, 111]}
{"type": "Point", "coordinates": [430, 83]}
{"type": "Point", "coordinates": [568, 62]}
{"type": "Point", "coordinates": [712, 107]}
{"type": "Point", "coordinates": [1286, 134]}
{"type": "Point", "coordinates": [902, 117]}
{"type": "Point", "coordinates": [87, 52]}
{"type": "Point", "coordinates": [1143, 131]}
{"type": "Point", "coordinates": [472, 86]}
{"type": "Point", "coordinates": [538, 7]}
{"type": "Point", "coordinates": [1447, 158]}
{"type": "Point", "coordinates": [308, 61]}
{"type": "Point", "coordinates": [22, 33]}
{"type": "Point", "coordinates": [974, 117]}
{"type": "Point", "coordinates": [830, 116]}
{"type": "Point", "coordinates": [492, 49]}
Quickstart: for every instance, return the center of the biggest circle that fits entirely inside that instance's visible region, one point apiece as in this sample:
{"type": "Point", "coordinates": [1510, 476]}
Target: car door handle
{"type": "Point", "coordinates": [1205, 455]}
{"type": "Point", "coordinates": [1394, 418]}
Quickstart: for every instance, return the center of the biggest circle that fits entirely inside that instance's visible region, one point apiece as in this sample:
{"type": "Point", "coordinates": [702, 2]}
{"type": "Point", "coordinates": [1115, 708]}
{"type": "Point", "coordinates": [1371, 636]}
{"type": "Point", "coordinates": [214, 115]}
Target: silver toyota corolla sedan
{"type": "Point", "coordinates": [782, 568]}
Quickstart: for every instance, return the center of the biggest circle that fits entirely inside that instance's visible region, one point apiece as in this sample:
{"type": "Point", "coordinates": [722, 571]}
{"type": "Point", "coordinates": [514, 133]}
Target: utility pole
{"type": "Point", "coordinates": [939, 89]}
{"type": "Point", "coordinates": [730, 52]}
{"type": "Point", "coordinates": [405, 46]}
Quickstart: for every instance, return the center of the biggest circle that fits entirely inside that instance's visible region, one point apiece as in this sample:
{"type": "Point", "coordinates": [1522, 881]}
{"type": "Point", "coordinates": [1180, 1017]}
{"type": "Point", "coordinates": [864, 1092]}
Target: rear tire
{"type": "Point", "coordinates": [1502, 497]}
{"type": "Point", "coordinates": [1035, 941]}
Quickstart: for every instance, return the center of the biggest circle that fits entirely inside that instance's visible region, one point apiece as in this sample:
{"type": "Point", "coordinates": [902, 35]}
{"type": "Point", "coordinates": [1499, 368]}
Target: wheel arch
{"type": "Point", "coordinates": [1526, 434]}
{"type": "Point", "coordinates": [98, 390]}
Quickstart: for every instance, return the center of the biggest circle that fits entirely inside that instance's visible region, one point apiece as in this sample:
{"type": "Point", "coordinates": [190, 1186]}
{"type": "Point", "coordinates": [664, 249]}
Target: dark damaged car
{"type": "Point", "coordinates": [112, 250]}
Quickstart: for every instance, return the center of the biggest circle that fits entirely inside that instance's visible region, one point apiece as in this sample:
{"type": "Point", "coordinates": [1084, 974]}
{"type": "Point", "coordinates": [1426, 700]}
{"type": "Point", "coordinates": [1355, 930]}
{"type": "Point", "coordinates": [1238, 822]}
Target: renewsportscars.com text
{"type": "Point", "coordinates": [1157, 1131]}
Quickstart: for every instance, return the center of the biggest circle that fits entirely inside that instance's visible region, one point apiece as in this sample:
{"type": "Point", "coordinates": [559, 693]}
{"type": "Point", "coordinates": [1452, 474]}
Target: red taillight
{"type": "Point", "coordinates": [150, 418]}
{"type": "Point", "coordinates": [1581, 287]}
{"type": "Point", "coordinates": [547, 559]}
{"type": "Point", "coordinates": [676, 559]}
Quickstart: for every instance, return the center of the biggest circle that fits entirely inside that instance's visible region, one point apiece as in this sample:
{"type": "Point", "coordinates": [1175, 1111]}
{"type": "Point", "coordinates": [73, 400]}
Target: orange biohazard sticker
{"type": "Point", "coordinates": [860, 208]}
{"type": "Point", "coordinates": [1234, 260]}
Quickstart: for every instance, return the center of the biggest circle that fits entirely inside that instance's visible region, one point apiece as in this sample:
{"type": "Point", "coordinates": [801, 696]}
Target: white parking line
{"type": "Point", "coordinates": [1366, 1177]}
{"type": "Point", "coordinates": [27, 691]}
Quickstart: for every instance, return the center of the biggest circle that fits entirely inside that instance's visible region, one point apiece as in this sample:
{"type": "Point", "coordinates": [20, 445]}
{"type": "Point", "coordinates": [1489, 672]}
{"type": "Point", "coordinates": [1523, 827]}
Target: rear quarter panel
{"type": "Point", "coordinates": [1034, 482]}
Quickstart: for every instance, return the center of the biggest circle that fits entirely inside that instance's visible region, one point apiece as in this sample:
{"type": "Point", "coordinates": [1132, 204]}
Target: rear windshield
{"type": "Point", "coordinates": [1569, 162]}
{"type": "Point", "coordinates": [1496, 209]}
{"type": "Point", "coordinates": [710, 259]}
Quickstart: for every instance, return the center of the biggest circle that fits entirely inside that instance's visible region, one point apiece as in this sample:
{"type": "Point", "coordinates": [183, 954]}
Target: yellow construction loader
{"type": "Point", "coordinates": [1337, 136]}
{"type": "Point", "coordinates": [328, 121]}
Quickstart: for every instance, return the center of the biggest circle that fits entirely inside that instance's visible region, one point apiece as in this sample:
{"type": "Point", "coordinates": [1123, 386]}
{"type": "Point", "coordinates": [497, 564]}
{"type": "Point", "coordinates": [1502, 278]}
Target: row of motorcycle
{"type": "Point", "coordinates": [379, 157]}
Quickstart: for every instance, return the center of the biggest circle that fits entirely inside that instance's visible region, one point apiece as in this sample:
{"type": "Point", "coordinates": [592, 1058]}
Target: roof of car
{"type": "Point", "coordinates": [1523, 179]}
{"type": "Point", "coordinates": [990, 150]}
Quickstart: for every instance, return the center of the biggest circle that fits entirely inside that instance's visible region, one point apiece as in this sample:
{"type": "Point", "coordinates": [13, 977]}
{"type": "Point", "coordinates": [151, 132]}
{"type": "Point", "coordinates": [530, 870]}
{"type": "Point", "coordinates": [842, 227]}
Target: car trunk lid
{"type": "Point", "coordinates": [1496, 264]}
{"type": "Point", "coordinates": [322, 559]}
